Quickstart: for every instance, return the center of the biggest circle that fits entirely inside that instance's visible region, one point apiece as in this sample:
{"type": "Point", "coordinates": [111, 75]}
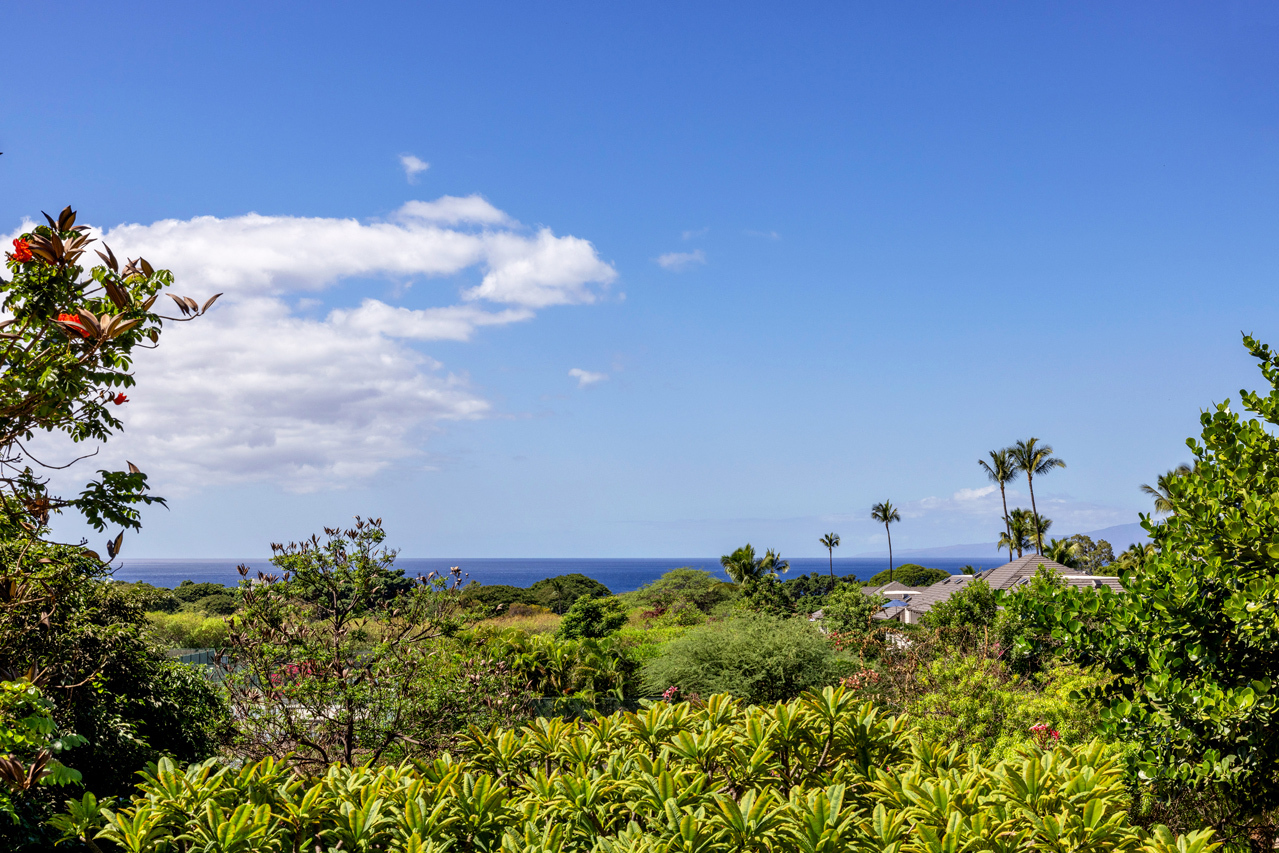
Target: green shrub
{"type": "Point", "coordinates": [756, 657]}
{"type": "Point", "coordinates": [187, 630]}
{"type": "Point", "coordinates": [189, 592]}
{"type": "Point", "coordinates": [696, 587]}
{"type": "Point", "coordinates": [978, 702]}
{"type": "Point", "coordinates": [218, 604]}
{"type": "Point", "coordinates": [495, 599]}
{"type": "Point", "coordinates": [586, 669]}
{"type": "Point", "coordinates": [849, 609]}
{"type": "Point", "coordinates": [911, 574]}
{"type": "Point", "coordinates": [972, 607]}
{"type": "Point", "coordinates": [817, 775]}
{"type": "Point", "coordinates": [592, 618]}
{"type": "Point", "coordinates": [149, 598]}
{"type": "Point", "coordinates": [559, 593]}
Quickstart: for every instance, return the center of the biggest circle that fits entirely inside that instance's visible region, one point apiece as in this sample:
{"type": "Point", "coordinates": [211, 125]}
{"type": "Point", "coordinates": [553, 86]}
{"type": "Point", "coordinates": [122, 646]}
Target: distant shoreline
{"type": "Point", "coordinates": [618, 574]}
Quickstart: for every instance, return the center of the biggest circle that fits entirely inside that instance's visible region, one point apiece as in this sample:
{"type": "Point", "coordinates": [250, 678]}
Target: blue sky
{"type": "Point", "coordinates": [895, 237]}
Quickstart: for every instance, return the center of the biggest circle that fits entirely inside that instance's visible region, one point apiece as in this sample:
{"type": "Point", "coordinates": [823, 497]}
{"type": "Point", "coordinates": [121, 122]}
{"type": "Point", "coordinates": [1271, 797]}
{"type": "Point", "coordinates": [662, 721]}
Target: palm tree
{"type": "Point", "coordinates": [1020, 526]}
{"type": "Point", "coordinates": [1002, 470]}
{"type": "Point", "coordinates": [1034, 458]}
{"type": "Point", "coordinates": [742, 565]}
{"type": "Point", "coordinates": [887, 513]}
{"type": "Point", "coordinates": [1039, 526]}
{"type": "Point", "coordinates": [1065, 552]}
{"type": "Point", "coordinates": [1160, 491]}
{"type": "Point", "coordinates": [831, 541]}
{"type": "Point", "coordinates": [773, 565]}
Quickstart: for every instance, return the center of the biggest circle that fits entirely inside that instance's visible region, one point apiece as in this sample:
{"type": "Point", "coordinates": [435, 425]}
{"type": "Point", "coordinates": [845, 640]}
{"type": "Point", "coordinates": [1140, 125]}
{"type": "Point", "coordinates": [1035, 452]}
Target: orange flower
{"type": "Point", "coordinates": [21, 251]}
{"type": "Point", "coordinates": [73, 320]}
{"type": "Point", "coordinates": [119, 398]}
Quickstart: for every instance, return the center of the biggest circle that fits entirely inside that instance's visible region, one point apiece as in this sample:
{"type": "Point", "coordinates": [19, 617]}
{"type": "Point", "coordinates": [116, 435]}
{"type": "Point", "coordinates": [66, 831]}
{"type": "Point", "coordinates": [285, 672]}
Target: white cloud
{"type": "Point", "coordinates": [413, 167]}
{"type": "Point", "coordinates": [767, 235]}
{"type": "Point", "coordinates": [454, 210]}
{"type": "Point", "coordinates": [676, 261]}
{"type": "Point", "coordinates": [254, 391]}
{"type": "Point", "coordinates": [452, 323]}
{"type": "Point", "coordinates": [586, 377]}
{"type": "Point", "coordinates": [699, 232]}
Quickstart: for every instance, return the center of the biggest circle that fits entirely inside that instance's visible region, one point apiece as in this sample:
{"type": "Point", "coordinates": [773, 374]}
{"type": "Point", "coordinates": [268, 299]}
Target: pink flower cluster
{"type": "Point", "coordinates": [1044, 735]}
{"type": "Point", "coordinates": [670, 693]}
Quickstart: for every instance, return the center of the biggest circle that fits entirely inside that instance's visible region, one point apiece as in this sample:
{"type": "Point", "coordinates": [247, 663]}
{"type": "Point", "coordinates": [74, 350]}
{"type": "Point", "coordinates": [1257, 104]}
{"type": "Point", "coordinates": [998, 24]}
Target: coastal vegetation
{"type": "Point", "coordinates": [351, 707]}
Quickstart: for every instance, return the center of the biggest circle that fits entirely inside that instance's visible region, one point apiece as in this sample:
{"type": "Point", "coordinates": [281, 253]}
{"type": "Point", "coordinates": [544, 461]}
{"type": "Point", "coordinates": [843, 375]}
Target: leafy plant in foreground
{"type": "Point", "coordinates": [819, 774]}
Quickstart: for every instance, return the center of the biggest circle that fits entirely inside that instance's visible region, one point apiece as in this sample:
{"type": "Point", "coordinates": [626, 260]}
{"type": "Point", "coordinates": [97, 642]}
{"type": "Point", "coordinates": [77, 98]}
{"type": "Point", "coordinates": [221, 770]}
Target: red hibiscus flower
{"type": "Point", "coordinates": [119, 398]}
{"type": "Point", "coordinates": [21, 251]}
{"type": "Point", "coordinates": [73, 320]}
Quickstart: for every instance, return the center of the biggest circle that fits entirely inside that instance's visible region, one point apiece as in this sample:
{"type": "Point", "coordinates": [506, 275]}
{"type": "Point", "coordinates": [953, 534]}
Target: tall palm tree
{"type": "Point", "coordinates": [831, 541]}
{"type": "Point", "coordinates": [1035, 459]}
{"type": "Point", "coordinates": [1002, 470]}
{"type": "Point", "coordinates": [1160, 490]}
{"type": "Point", "coordinates": [886, 513]}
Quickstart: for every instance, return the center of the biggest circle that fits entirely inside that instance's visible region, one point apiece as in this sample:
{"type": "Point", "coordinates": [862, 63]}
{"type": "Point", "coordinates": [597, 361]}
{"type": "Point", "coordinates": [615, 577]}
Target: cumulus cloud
{"type": "Point", "coordinates": [413, 167]}
{"type": "Point", "coordinates": [254, 391]}
{"type": "Point", "coordinates": [676, 261]}
{"type": "Point", "coordinates": [586, 377]}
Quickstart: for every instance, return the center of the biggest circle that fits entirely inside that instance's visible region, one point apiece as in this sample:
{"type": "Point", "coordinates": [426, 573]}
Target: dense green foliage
{"type": "Point", "coordinates": [849, 609]}
{"type": "Point", "coordinates": [910, 575]}
{"type": "Point", "coordinates": [757, 657]}
{"type": "Point", "coordinates": [588, 671]}
{"type": "Point", "coordinates": [973, 606]}
{"type": "Point", "coordinates": [1195, 641]}
{"type": "Point", "coordinates": [685, 587]}
{"type": "Point", "coordinates": [976, 701]}
{"type": "Point", "coordinates": [592, 618]}
{"type": "Point", "coordinates": [815, 775]}
{"type": "Point", "coordinates": [557, 594]}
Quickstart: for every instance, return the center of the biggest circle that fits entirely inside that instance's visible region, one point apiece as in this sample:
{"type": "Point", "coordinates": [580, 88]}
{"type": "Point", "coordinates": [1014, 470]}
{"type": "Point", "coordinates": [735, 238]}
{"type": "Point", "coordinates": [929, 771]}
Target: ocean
{"type": "Point", "coordinates": [619, 575]}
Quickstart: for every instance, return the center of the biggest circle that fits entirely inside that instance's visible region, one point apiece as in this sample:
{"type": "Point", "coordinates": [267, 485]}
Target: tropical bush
{"type": "Point", "coordinates": [586, 670]}
{"type": "Point", "coordinates": [977, 701]}
{"type": "Point", "coordinates": [849, 609]}
{"type": "Point", "coordinates": [187, 630]}
{"type": "Point", "coordinates": [910, 574]}
{"type": "Point", "coordinates": [756, 657]}
{"type": "Point", "coordinates": [972, 607]}
{"type": "Point", "coordinates": [1194, 640]}
{"type": "Point", "coordinates": [684, 587]}
{"type": "Point", "coordinates": [87, 646]}
{"type": "Point", "coordinates": [817, 775]}
{"type": "Point", "coordinates": [591, 618]}
{"type": "Point", "coordinates": [559, 593]}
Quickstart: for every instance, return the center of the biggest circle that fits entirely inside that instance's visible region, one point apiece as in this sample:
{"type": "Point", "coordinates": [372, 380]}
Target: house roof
{"type": "Point", "coordinates": [1009, 575]}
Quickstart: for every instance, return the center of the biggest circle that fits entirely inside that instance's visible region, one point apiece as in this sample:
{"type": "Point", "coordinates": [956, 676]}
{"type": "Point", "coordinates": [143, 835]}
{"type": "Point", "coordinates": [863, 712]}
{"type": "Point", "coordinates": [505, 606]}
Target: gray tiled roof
{"type": "Point", "coordinates": [1007, 576]}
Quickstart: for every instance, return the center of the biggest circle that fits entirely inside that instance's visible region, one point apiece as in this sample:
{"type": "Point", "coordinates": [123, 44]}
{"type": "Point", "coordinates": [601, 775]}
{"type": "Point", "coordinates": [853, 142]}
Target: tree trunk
{"type": "Point", "coordinates": [890, 552]}
{"type": "Point", "coordinates": [1039, 537]}
{"type": "Point", "coordinates": [831, 553]}
{"type": "Point", "coordinates": [1008, 529]}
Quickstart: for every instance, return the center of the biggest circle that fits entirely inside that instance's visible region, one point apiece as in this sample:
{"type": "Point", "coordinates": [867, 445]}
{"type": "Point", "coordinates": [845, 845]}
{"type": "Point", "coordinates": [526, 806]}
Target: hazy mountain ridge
{"type": "Point", "coordinates": [1120, 537]}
